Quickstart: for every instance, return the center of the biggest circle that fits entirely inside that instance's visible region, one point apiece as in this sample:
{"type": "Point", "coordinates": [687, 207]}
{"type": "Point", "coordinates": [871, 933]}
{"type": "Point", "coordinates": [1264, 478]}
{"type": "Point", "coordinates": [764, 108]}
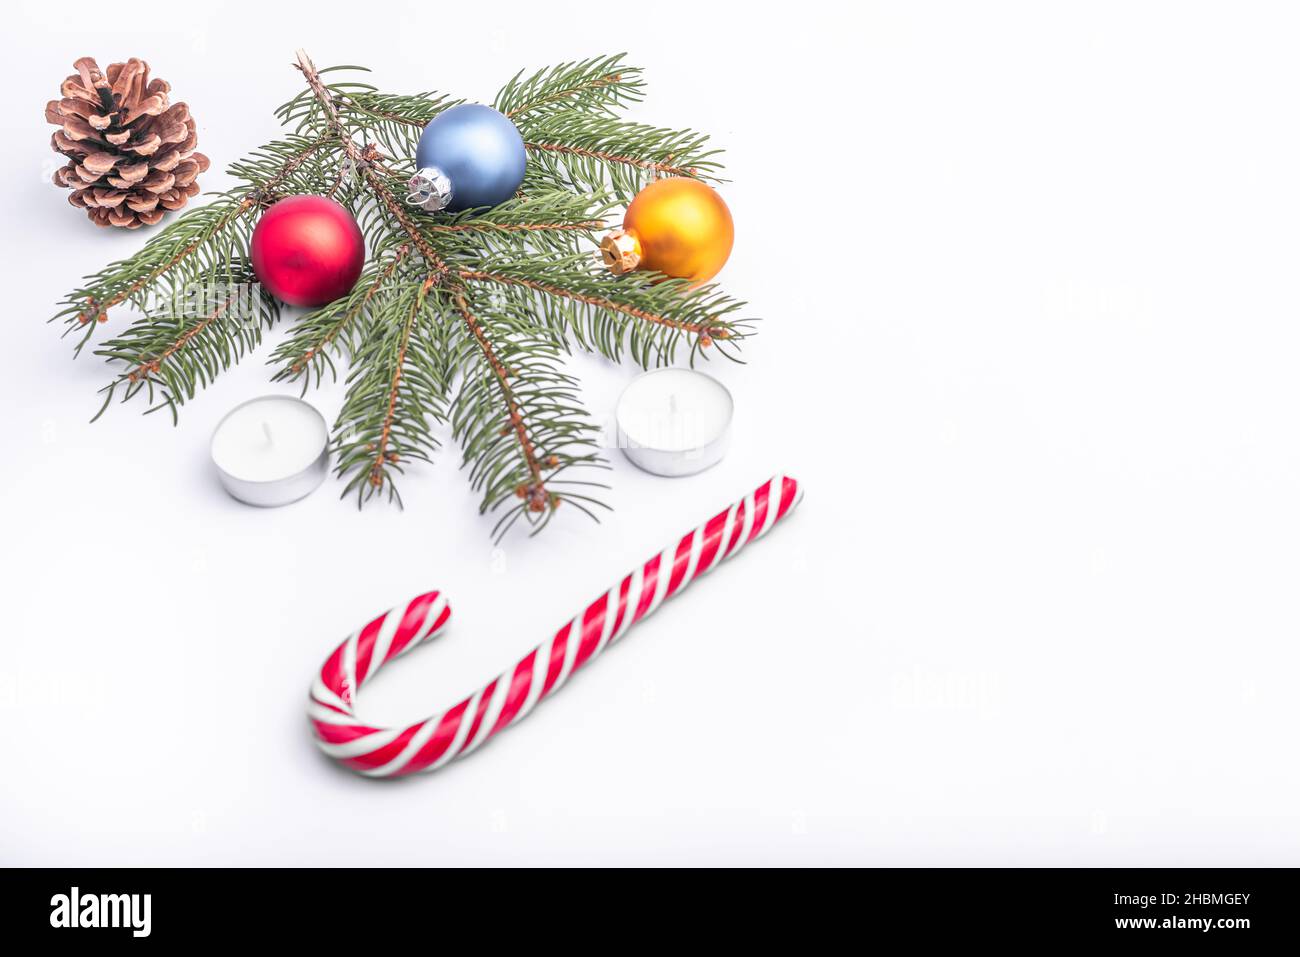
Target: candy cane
{"type": "Point", "coordinates": [429, 744]}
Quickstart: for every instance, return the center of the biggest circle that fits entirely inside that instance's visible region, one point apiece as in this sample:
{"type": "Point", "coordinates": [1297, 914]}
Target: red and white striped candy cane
{"type": "Point", "coordinates": [429, 744]}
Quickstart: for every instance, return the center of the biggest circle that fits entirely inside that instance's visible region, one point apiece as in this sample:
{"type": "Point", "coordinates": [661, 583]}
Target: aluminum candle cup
{"type": "Point", "coordinates": [271, 451]}
{"type": "Point", "coordinates": [674, 421]}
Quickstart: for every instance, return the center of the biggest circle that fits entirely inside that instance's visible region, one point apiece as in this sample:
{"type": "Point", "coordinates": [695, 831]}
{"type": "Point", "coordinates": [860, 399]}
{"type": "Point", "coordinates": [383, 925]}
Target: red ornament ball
{"type": "Point", "coordinates": [307, 250]}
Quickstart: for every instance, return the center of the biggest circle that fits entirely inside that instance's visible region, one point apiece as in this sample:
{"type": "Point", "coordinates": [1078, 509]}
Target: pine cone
{"type": "Point", "coordinates": [131, 155]}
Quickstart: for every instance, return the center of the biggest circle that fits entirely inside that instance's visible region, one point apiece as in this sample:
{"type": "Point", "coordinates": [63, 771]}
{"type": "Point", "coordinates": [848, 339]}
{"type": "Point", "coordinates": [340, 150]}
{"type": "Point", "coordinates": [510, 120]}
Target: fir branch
{"type": "Point", "coordinates": [553, 222]}
{"type": "Point", "coordinates": [664, 167]}
{"type": "Point", "coordinates": [187, 345]}
{"type": "Point", "coordinates": [491, 228]}
{"type": "Point", "coordinates": [599, 302]}
{"type": "Point", "coordinates": [115, 285]}
{"type": "Point", "coordinates": [584, 151]}
{"type": "Point", "coordinates": [270, 170]}
{"type": "Point", "coordinates": [591, 152]}
{"type": "Point", "coordinates": [566, 117]}
{"type": "Point", "coordinates": [393, 123]}
{"type": "Point", "coordinates": [189, 237]}
{"type": "Point", "coordinates": [409, 110]}
{"type": "Point", "coordinates": [381, 456]}
{"type": "Point", "coordinates": [536, 491]}
{"type": "Point", "coordinates": [458, 317]}
{"type": "Point", "coordinates": [388, 200]}
{"type": "Point", "coordinates": [600, 84]}
{"type": "Point", "coordinates": [363, 160]}
{"type": "Point", "coordinates": [397, 387]}
{"type": "Point", "coordinates": [518, 419]}
{"type": "Point", "coordinates": [306, 110]}
{"type": "Point", "coordinates": [307, 350]}
{"type": "Point", "coordinates": [645, 314]}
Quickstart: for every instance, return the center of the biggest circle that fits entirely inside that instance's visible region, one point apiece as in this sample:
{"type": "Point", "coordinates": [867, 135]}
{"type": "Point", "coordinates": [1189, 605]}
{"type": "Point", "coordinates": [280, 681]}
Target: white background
{"type": "Point", "coordinates": [1028, 276]}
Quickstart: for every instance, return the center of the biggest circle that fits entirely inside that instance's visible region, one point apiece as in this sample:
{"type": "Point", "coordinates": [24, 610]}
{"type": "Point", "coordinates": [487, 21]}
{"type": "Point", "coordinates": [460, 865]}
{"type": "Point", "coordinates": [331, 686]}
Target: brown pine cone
{"type": "Point", "coordinates": [131, 155]}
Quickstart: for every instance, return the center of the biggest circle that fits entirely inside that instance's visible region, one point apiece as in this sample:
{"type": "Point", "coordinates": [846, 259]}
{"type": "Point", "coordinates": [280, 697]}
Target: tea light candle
{"type": "Point", "coordinates": [674, 421]}
{"type": "Point", "coordinates": [272, 450]}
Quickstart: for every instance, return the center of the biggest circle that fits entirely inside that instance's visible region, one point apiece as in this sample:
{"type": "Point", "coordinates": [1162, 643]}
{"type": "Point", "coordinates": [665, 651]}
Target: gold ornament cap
{"type": "Point", "coordinates": [621, 251]}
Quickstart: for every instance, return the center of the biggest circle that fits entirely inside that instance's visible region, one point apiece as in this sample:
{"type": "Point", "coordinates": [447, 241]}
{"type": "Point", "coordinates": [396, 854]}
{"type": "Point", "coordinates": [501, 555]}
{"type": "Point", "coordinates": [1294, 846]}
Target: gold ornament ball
{"type": "Point", "coordinates": [682, 227]}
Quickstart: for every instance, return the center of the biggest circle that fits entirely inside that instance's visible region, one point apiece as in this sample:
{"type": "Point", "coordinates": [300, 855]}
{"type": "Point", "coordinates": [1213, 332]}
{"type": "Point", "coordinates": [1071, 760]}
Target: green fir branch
{"type": "Point", "coordinates": [458, 318]}
{"type": "Point", "coordinates": [577, 151]}
{"type": "Point", "coordinates": [172, 353]}
{"type": "Point", "coordinates": [335, 330]}
{"type": "Point", "coordinates": [518, 418]}
{"type": "Point", "coordinates": [197, 246]}
{"type": "Point", "coordinates": [599, 85]}
{"type": "Point", "coordinates": [641, 314]}
{"type": "Point", "coordinates": [396, 392]}
{"type": "Point", "coordinates": [553, 222]}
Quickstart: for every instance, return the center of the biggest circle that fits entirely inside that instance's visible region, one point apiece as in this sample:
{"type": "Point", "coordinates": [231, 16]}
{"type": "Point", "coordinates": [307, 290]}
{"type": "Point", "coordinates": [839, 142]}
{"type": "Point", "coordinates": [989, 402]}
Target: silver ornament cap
{"type": "Point", "coordinates": [430, 189]}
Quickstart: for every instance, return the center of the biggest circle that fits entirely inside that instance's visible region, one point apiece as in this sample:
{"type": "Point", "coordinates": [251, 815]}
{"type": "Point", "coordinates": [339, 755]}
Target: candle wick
{"type": "Point", "coordinates": [672, 402]}
{"type": "Point", "coordinates": [266, 430]}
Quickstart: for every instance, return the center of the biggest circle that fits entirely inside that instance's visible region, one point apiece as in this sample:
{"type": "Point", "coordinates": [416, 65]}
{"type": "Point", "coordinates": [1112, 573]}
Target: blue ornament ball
{"type": "Point", "coordinates": [478, 150]}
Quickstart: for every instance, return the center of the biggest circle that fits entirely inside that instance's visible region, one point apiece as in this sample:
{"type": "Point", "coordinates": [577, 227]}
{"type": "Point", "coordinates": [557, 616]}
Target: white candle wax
{"type": "Point", "coordinates": [271, 450]}
{"type": "Point", "coordinates": [674, 421]}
